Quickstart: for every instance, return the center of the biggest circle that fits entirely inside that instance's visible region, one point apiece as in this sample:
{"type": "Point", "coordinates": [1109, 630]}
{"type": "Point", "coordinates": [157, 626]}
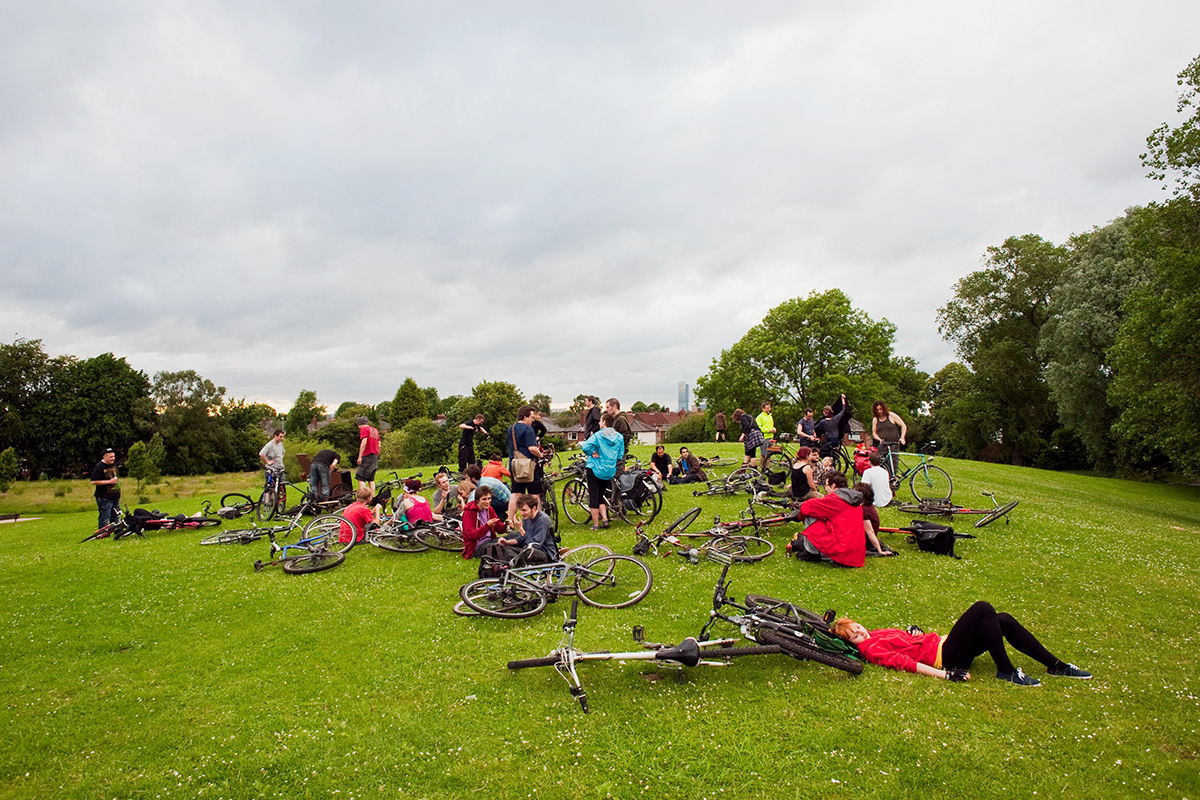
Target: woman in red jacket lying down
{"type": "Point", "coordinates": [980, 630]}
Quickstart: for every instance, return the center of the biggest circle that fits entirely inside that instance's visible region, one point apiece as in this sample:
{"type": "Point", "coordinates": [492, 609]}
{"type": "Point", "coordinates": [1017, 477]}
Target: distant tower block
{"type": "Point", "coordinates": [684, 397]}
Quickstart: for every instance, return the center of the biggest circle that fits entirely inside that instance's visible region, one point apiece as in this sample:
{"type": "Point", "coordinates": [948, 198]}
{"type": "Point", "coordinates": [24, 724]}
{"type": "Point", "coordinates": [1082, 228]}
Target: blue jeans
{"type": "Point", "coordinates": [318, 479]}
{"type": "Point", "coordinates": [108, 510]}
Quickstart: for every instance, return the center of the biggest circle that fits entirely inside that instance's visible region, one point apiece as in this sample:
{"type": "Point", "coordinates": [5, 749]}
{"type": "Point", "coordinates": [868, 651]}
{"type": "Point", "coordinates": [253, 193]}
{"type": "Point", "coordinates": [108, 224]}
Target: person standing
{"type": "Point", "coordinates": [591, 419]}
{"type": "Point", "coordinates": [320, 473]}
{"type": "Point", "coordinates": [621, 425]}
{"type": "Point", "coordinates": [604, 451]}
{"type": "Point", "coordinates": [271, 454]}
{"type": "Point", "coordinates": [766, 422]}
{"type": "Point", "coordinates": [829, 429]}
{"type": "Point", "coordinates": [368, 454]}
{"type": "Point", "coordinates": [466, 442]}
{"type": "Point", "coordinates": [889, 431]}
{"type": "Point", "coordinates": [721, 425]}
{"type": "Point", "coordinates": [751, 437]}
{"type": "Point", "coordinates": [522, 443]}
{"type": "Point", "coordinates": [108, 493]}
{"type": "Point", "coordinates": [806, 430]}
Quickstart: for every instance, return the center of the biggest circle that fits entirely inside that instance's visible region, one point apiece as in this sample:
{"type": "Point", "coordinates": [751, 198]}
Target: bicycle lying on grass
{"type": "Point", "coordinates": [610, 581]}
{"type": "Point", "coordinates": [774, 625]}
{"type": "Point", "coordinates": [318, 549]}
{"type": "Point", "coordinates": [740, 480]}
{"type": "Point", "coordinates": [141, 520]}
{"type": "Point", "coordinates": [946, 509]}
{"type": "Point", "coordinates": [722, 538]}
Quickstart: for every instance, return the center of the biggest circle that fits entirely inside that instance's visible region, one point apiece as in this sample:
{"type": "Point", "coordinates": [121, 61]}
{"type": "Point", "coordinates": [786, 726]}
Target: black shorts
{"type": "Point", "coordinates": [367, 467]}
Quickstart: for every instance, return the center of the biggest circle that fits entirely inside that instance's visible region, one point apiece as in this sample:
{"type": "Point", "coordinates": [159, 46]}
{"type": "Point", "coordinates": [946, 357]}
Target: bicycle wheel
{"type": "Point", "coordinates": [324, 532]}
{"type": "Point", "coordinates": [742, 478]}
{"type": "Point", "coordinates": [992, 516]}
{"type": "Point", "coordinates": [575, 501]}
{"type": "Point", "coordinates": [615, 582]}
{"type": "Point", "coordinates": [743, 548]}
{"type": "Point", "coordinates": [795, 648]}
{"type": "Point", "coordinates": [778, 462]}
{"type": "Point", "coordinates": [312, 562]}
{"type": "Point", "coordinates": [440, 538]}
{"type": "Point", "coordinates": [685, 520]}
{"type": "Point", "coordinates": [550, 506]}
{"type": "Point", "coordinates": [584, 553]}
{"type": "Point", "coordinates": [201, 522]}
{"type": "Point", "coordinates": [267, 505]}
{"type": "Point", "coordinates": [236, 504]}
{"type": "Point", "coordinates": [931, 484]}
{"type": "Point", "coordinates": [648, 508]}
{"type": "Point", "coordinates": [397, 542]}
{"type": "Point", "coordinates": [616, 504]}
{"type": "Point", "coordinates": [491, 597]}
{"type": "Point", "coordinates": [783, 611]}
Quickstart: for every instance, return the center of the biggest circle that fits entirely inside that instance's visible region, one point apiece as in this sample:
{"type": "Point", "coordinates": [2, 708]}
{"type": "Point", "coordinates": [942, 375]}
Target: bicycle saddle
{"type": "Point", "coordinates": [686, 652]}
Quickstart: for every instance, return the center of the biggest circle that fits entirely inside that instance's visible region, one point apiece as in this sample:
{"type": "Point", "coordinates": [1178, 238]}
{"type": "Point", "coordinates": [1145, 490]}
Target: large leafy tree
{"type": "Point", "coordinates": [303, 410]}
{"type": "Point", "coordinates": [27, 377]}
{"type": "Point", "coordinates": [1175, 151]}
{"type": "Point", "coordinates": [1156, 355]}
{"type": "Point", "coordinates": [995, 321]}
{"type": "Point", "coordinates": [806, 352]}
{"type": "Point", "coordinates": [1103, 270]}
{"type": "Point", "coordinates": [196, 437]}
{"type": "Point", "coordinates": [410, 403]}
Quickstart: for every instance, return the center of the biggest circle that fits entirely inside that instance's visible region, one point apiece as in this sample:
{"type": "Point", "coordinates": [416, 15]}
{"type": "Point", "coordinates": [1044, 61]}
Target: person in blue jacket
{"type": "Point", "coordinates": [603, 449]}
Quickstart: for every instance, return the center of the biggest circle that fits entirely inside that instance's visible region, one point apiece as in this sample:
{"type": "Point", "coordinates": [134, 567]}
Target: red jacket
{"type": "Point", "coordinates": [892, 647]}
{"type": "Point", "coordinates": [478, 525]}
{"type": "Point", "coordinates": [838, 530]}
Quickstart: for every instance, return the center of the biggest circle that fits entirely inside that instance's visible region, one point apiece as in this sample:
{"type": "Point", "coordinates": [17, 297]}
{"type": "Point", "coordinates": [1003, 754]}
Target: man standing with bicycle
{"type": "Point", "coordinates": [523, 450]}
{"type": "Point", "coordinates": [368, 454]}
{"type": "Point", "coordinates": [108, 494]}
{"type": "Point", "coordinates": [271, 454]}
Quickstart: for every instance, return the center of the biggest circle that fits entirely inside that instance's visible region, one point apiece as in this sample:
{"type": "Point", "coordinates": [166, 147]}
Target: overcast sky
{"type": "Point", "coordinates": [571, 197]}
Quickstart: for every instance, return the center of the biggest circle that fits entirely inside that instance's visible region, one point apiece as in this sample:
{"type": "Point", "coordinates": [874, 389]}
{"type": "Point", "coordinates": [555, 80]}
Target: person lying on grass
{"type": "Point", "coordinates": [979, 630]}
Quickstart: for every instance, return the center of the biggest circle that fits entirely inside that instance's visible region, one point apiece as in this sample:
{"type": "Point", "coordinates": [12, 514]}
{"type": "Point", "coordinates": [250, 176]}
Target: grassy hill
{"type": "Point", "coordinates": [159, 668]}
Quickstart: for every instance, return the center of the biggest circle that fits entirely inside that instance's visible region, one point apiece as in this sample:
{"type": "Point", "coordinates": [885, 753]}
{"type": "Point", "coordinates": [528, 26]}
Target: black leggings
{"type": "Point", "coordinates": [597, 490]}
{"type": "Point", "coordinates": [981, 630]}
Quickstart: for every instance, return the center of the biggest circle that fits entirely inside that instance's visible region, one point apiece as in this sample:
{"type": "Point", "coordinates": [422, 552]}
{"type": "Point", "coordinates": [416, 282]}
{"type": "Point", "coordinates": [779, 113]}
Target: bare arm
{"type": "Point", "coordinates": [903, 428]}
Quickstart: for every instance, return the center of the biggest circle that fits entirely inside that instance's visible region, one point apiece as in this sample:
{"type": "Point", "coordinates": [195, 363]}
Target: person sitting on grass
{"type": "Point", "coordinates": [836, 532]}
{"type": "Point", "coordinates": [360, 514]}
{"type": "Point", "coordinates": [660, 463]}
{"type": "Point", "coordinates": [495, 469]}
{"type": "Point", "coordinates": [871, 522]}
{"type": "Point", "coordinates": [445, 498]}
{"type": "Point", "coordinates": [688, 469]}
{"type": "Point", "coordinates": [979, 630]}
{"type": "Point", "coordinates": [413, 507]}
{"type": "Point", "coordinates": [878, 479]}
{"type": "Point", "coordinates": [534, 533]}
{"type": "Point", "coordinates": [480, 524]}
{"type": "Point", "coordinates": [804, 475]}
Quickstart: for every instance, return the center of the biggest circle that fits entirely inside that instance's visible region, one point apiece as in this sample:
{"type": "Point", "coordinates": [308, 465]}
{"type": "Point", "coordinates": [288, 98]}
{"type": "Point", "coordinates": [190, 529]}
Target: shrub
{"type": "Point", "coordinates": [8, 468]}
{"type": "Point", "coordinates": [689, 429]}
{"type": "Point", "coordinates": [420, 441]}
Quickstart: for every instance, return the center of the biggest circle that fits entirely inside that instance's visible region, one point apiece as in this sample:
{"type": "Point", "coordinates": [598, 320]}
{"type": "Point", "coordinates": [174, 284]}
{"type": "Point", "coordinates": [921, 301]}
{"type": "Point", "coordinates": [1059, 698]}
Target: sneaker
{"type": "Point", "coordinates": [1018, 677]}
{"type": "Point", "coordinates": [1068, 671]}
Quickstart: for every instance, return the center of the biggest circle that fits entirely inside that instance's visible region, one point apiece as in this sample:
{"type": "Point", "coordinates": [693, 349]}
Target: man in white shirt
{"type": "Point", "coordinates": [878, 479]}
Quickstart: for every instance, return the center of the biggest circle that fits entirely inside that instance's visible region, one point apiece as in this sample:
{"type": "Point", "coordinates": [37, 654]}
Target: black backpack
{"type": "Point", "coordinates": [934, 537]}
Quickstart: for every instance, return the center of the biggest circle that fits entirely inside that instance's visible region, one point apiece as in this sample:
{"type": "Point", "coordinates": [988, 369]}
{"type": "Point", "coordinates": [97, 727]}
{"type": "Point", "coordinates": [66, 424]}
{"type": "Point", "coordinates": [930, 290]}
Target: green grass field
{"type": "Point", "coordinates": [158, 668]}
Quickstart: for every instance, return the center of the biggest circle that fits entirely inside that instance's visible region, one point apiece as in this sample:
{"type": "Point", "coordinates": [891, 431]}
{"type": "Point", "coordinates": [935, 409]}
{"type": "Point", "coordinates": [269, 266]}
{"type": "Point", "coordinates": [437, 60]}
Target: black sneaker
{"type": "Point", "coordinates": [1018, 677]}
{"type": "Point", "coordinates": [1069, 671]}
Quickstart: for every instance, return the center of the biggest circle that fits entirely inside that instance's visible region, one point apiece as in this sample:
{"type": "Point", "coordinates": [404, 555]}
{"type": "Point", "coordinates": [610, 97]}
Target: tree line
{"type": "Point", "coordinates": [1079, 355]}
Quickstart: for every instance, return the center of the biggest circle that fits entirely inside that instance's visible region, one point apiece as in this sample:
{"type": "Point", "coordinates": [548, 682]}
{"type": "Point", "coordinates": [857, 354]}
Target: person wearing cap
{"type": "Point", "coordinates": [108, 493]}
{"type": "Point", "coordinates": [368, 454]}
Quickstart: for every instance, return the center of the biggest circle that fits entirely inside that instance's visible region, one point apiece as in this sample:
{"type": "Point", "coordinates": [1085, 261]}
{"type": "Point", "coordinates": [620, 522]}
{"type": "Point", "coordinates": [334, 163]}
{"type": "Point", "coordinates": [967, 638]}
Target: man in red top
{"type": "Point", "coordinates": [837, 532]}
{"type": "Point", "coordinates": [360, 515]}
{"type": "Point", "coordinates": [368, 455]}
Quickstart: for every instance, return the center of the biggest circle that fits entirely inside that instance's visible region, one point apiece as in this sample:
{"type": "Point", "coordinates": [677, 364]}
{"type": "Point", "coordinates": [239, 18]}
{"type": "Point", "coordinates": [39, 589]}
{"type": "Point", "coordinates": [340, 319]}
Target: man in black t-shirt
{"type": "Point", "coordinates": [323, 464]}
{"type": "Point", "coordinates": [466, 443]}
{"type": "Point", "coordinates": [591, 420]}
{"type": "Point", "coordinates": [108, 494]}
